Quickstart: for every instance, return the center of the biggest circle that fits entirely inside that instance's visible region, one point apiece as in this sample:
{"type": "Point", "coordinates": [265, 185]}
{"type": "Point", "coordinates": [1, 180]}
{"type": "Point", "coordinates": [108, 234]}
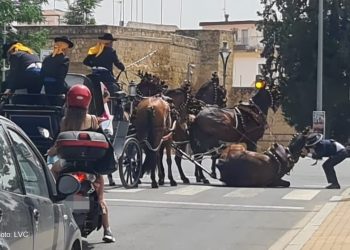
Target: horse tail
{"type": "Point", "coordinates": [146, 168]}
{"type": "Point", "coordinates": [195, 134]}
{"type": "Point", "coordinates": [151, 114]}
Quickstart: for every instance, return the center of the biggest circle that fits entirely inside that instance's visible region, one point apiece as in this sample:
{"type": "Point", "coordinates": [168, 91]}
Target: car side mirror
{"type": "Point", "coordinates": [67, 185]}
{"type": "Point", "coordinates": [44, 132]}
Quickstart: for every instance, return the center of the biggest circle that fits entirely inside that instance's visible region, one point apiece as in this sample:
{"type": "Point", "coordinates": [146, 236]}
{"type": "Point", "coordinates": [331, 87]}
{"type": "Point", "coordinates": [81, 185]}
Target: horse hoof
{"type": "Point", "coordinates": [213, 175]}
{"type": "Point", "coordinates": [205, 181]}
{"type": "Point", "coordinates": [173, 183]}
{"type": "Point", "coordinates": [161, 182]}
{"type": "Point", "coordinates": [198, 179]}
{"type": "Point", "coordinates": [112, 184]}
{"type": "Point", "coordinates": [186, 181]}
{"type": "Point", "coordinates": [139, 182]}
{"type": "Point", "coordinates": [286, 184]}
{"type": "Point", "coordinates": [154, 185]}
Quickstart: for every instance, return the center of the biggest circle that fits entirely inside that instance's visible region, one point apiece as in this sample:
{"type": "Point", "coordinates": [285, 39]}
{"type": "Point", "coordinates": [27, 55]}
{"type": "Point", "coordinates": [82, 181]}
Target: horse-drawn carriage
{"type": "Point", "coordinates": [211, 131]}
{"type": "Point", "coordinates": [36, 113]}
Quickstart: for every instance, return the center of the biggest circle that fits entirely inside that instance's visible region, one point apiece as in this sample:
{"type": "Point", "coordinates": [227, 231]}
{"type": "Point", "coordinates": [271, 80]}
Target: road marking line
{"type": "Point", "coordinates": [245, 192]}
{"type": "Point", "coordinates": [301, 194]}
{"type": "Point", "coordinates": [133, 190]}
{"type": "Point", "coordinates": [314, 186]}
{"type": "Point", "coordinates": [190, 190]}
{"type": "Point", "coordinates": [205, 204]}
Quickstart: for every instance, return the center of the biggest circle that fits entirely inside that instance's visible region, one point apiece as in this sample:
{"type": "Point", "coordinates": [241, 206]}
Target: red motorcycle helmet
{"type": "Point", "coordinates": [79, 96]}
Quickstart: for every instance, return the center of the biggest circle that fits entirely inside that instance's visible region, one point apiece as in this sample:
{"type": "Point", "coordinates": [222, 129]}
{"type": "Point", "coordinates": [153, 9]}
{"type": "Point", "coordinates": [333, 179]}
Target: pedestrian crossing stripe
{"type": "Point", "coordinates": [122, 190]}
{"type": "Point", "coordinates": [189, 190]}
{"type": "Point", "coordinates": [301, 194]}
{"type": "Point", "coordinates": [245, 192]}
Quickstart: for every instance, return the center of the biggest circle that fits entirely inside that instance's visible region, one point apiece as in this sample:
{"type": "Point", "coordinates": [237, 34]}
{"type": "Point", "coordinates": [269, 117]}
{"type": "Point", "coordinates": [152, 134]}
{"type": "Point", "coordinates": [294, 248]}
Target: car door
{"type": "Point", "coordinates": [16, 227]}
{"type": "Point", "coordinates": [36, 189]}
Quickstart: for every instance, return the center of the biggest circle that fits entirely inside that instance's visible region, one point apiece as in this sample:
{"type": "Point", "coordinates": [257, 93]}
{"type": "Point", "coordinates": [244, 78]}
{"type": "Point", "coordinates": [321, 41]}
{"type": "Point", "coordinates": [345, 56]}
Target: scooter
{"type": "Point", "coordinates": [78, 151]}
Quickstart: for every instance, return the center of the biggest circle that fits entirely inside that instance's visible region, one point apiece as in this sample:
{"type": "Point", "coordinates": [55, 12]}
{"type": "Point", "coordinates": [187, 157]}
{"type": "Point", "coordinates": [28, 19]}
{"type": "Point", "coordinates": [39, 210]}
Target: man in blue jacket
{"type": "Point", "coordinates": [336, 153]}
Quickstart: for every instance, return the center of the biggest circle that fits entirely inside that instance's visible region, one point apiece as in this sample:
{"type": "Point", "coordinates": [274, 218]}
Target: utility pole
{"type": "Point", "coordinates": [113, 12]}
{"type": "Point", "coordinates": [131, 9]}
{"type": "Point", "coordinates": [180, 13]}
{"type": "Point", "coordinates": [161, 11]}
{"type": "Point", "coordinates": [319, 105]}
{"type": "Point", "coordinates": [137, 10]}
{"type": "Point", "coordinates": [142, 11]}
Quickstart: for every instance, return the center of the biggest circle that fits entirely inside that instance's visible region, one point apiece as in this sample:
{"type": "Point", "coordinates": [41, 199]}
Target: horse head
{"type": "Point", "coordinates": [212, 92]}
{"type": "Point", "coordinates": [267, 97]}
{"type": "Point", "coordinates": [297, 144]}
{"type": "Point", "coordinates": [150, 85]}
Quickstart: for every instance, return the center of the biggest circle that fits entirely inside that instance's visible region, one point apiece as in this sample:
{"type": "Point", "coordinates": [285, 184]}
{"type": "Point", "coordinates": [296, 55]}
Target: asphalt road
{"type": "Point", "coordinates": [198, 216]}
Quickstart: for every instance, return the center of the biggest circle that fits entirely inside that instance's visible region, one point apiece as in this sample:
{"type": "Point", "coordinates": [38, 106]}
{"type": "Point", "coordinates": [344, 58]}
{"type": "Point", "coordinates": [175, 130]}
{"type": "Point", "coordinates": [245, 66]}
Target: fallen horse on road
{"type": "Point", "coordinates": [242, 168]}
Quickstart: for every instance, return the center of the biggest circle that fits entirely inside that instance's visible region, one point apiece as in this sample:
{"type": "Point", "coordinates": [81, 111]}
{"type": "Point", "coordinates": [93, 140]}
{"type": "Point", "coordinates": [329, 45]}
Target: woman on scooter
{"type": "Point", "coordinates": [77, 119]}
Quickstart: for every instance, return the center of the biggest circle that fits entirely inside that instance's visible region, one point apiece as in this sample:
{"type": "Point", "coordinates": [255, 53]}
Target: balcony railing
{"type": "Point", "coordinates": [249, 43]}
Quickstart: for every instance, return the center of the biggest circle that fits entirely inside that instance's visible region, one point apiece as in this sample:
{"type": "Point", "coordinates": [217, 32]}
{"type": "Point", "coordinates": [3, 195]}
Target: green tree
{"type": "Point", "coordinates": [290, 38]}
{"type": "Point", "coordinates": [81, 12]}
{"type": "Point", "coordinates": [23, 11]}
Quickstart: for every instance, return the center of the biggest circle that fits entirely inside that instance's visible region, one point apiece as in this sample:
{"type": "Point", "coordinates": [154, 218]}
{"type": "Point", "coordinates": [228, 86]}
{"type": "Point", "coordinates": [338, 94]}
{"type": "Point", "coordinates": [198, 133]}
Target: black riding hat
{"type": "Point", "coordinates": [64, 39]}
{"type": "Point", "coordinates": [107, 37]}
{"type": "Point", "coordinates": [313, 139]}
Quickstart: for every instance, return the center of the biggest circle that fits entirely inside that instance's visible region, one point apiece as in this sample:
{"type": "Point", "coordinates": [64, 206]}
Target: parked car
{"type": "Point", "coordinates": [32, 214]}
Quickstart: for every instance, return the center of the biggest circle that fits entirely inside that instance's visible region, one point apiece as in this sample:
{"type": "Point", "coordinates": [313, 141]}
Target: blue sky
{"type": "Point", "coordinates": [193, 11]}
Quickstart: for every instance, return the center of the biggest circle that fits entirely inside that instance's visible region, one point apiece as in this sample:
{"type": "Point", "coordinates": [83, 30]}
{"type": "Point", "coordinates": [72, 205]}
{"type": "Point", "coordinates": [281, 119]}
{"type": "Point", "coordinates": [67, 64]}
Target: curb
{"type": "Point", "coordinates": [296, 238]}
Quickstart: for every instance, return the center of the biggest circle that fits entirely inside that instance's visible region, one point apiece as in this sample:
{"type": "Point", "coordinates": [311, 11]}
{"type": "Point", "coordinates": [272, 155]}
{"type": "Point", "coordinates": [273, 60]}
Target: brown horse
{"type": "Point", "coordinates": [244, 123]}
{"type": "Point", "coordinates": [182, 100]}
{"type": "Point", "coordinates": [242, 168]}
{"type": "Point", "coordinates": [152, 122]}
{"type": "Point", "coordinates": [212, 93]}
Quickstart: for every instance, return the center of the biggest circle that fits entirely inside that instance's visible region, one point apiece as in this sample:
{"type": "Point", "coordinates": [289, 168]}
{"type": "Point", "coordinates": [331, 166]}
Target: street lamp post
{"type": "Point", "coordinates": [190, 66]}
{"type": "Point", "coordinates": [4, 34]}
{"type": "Point", "coordinates": [225, 53]}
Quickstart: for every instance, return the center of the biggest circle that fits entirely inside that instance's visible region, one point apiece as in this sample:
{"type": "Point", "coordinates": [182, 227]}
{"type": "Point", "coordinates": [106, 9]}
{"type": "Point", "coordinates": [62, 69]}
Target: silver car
{"type": "Point", "coordinates": [32, 215]}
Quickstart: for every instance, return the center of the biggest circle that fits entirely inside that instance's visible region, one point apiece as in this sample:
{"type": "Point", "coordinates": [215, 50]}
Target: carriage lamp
{"type": "Point", "coordinates": [132, 89]}
{"type": "Point", "coordinates": [225, 53]}
{"type": "Point", "coordinates": [260, 84]}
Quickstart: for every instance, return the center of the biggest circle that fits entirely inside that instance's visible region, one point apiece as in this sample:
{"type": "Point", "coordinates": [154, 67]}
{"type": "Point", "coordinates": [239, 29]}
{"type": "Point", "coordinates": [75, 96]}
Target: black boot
{"type": "Point", "coordinates": [333, 186]}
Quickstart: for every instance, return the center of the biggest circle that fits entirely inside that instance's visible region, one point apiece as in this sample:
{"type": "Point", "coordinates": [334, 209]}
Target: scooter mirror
{"type": "Point", "coordinates": [67, 185]}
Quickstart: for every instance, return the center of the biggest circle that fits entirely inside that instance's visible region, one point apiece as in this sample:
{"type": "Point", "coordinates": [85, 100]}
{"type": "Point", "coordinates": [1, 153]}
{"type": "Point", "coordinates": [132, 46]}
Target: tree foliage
{"type": "Point", "coordinates": [23, 11]}
{"type": "Point", "coordinates": [290, 30]}
{"type": "Point", "coordinates": [81, 12]}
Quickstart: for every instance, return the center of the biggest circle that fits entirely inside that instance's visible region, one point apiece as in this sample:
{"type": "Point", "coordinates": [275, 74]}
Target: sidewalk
{"type": "Point", "coordinates": [334, 231]}
{"type": "Point", "coordinates": [326, 229]}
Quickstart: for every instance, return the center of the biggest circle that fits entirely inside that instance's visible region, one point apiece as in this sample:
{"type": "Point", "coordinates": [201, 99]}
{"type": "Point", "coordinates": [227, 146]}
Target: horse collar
{"type": "Point", "coordinates": [274, 157]}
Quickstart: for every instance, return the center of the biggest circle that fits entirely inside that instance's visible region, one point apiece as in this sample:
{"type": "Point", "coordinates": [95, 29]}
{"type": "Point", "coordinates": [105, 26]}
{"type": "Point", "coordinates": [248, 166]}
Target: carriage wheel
{"type": "Point", "coordinates": [130, 163]}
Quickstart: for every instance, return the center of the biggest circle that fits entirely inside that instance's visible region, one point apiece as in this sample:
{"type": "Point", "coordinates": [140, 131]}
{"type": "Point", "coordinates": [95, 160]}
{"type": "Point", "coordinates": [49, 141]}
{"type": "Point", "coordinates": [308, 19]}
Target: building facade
{"type": "Point", "coordinates": [247, 60]}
